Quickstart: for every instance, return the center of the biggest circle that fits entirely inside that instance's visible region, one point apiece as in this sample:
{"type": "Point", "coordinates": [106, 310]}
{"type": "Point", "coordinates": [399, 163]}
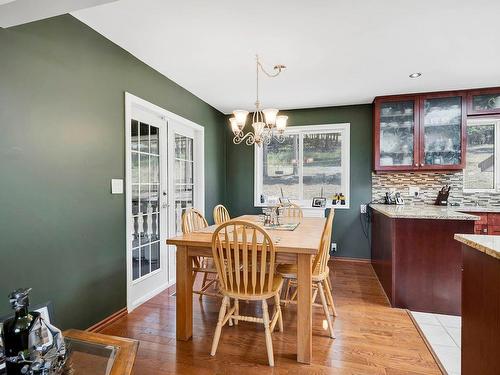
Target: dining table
{"type": "Point", "coordinates": [297, 246]}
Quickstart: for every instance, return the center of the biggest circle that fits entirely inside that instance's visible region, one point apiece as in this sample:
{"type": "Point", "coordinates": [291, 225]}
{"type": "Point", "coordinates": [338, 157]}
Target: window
{"type": "Point", "coordinates": [482, 167]}
{"type": "Point", "coordinates": [313, 160]}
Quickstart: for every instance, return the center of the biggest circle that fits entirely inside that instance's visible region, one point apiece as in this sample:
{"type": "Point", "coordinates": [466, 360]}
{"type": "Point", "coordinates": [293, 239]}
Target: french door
{"type": "Point", "coordinates": [165, 176]}
{"type": "Point", "coordinates": [147, 203]}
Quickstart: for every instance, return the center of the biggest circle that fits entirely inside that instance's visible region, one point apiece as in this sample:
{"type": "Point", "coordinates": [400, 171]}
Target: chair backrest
{"type": "Point", "coordinates": [243, 253]}
{"type": "Point", "coordinates": [293, 211]}
{"type": "Point", "coordinates": [193, 220]}
{"type": "Point", "coordinates": [221, 215]}
{"type": "Point", "coordinates": [320, 263]}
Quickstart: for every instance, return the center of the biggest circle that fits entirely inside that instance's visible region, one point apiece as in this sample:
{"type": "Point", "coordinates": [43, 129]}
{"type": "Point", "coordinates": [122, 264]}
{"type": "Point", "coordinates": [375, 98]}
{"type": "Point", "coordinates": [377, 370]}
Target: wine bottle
{"type": "Point", "coordinates": [16, 332]}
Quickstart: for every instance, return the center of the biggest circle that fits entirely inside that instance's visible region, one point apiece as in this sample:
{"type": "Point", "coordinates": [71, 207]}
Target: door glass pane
{"type": "Point", "coordinates": [155, 256]}
{"type": "Point", "coordinates": [442, 131]}
{"type": "Point", "coordinates": [135, 199]}
{"type": "Point", "coordinates": [144, 168]}
{"type": "Point", "coordinates": [280, 171]}
{"type": "Point", "coordinates": [135, 167]}
{"type": "Point", "coordinates": [486, 102]}
{"type": "Point", "coordinates": [322, 165]}
{"type": "Point", "coordinates": [184, 182]}
{"type": "Point", "coordinates": [135, 232]}
{"type": "Point", "coordinates": [135, 264]}
{"type": "Point", "coordinates": [397, 124]}
{"type": "Point", "coordinates": [480, 169]}
{"type": "Point", "coordinates": [145, 229]}
{"type": "Point", "coordinates": [144, 137]}
{"type": "Point", "coordinates": [145, 257]}
{"type": "Point", "coordinates": [154, 197]}
{"type": "Point", "coordinates": [134, 134]}
{"type": "Point", "coordinates": [145, 222]}
{"type": "Point", "coordinates": [154, 169]}
{"type": "Point", "coordinates": [144, 199]}
{"type": "Point", "coordinates": [154, 143]}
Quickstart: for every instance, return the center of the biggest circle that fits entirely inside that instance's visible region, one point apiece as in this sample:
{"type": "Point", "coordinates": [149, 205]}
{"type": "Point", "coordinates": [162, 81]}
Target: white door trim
{"type": "Point", "coordinates": [134, 101]}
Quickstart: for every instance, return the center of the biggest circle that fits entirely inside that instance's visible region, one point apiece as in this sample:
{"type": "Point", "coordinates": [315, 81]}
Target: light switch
{"type": "Point", "coordinates": [116, 186]}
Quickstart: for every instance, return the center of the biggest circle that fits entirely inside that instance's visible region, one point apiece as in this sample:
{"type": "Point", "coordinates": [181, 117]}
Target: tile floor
{"type": "Point", "coordinates": [443, 333]}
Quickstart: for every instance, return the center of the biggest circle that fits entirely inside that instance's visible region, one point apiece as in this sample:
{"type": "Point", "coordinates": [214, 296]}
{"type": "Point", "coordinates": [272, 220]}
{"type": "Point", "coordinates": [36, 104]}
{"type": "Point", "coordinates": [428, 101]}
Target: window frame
{"type": "Point", "coordinates": [343, 129]}
{"type": "Point", "coordinates": [496, 181]}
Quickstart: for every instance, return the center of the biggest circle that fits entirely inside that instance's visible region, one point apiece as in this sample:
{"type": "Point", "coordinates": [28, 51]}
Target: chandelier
{"type": "Point", "coordinates": [266, 123]}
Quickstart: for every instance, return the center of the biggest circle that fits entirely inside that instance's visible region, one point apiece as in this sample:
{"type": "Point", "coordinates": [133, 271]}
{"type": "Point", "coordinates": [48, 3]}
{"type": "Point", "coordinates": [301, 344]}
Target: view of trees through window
{"type": "Point", "coordinates": [319, 168]}
{"type": "Point", "coordinates": [480, 169]}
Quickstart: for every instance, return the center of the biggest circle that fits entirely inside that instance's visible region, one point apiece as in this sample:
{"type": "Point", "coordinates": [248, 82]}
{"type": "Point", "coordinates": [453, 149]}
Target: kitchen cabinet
{"type": "Point", "coordinates": [420, 132]}
{"type": "Point", "coordinates": [488, 224]}
{"type": "Point", "coordinates": [483, 102]}
{"type": "Point", "coordinates": [442, 131]}
{"type": "Point", "coordinates": [396, 133]}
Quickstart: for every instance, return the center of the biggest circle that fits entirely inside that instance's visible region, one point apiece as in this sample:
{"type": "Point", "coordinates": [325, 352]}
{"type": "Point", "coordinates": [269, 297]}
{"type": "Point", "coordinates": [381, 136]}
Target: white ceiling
{"type": "Point", "coordinates": [337, 51]}
{"type": "Point", "coordinates": [16, 12]}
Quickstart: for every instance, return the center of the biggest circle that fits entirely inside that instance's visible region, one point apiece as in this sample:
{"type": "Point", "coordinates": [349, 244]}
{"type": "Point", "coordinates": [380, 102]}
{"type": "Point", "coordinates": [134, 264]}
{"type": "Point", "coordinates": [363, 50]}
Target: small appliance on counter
{"type": "Point", "coordinates": [393, 198]}
{"type": "Point", "coordinates": [442, 198]}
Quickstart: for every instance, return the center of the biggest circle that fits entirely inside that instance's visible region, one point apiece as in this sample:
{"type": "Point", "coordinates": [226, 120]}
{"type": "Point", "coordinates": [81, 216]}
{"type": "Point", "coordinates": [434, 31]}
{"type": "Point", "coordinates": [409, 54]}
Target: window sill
{"type": "Point", "coordinates": [337, 207]}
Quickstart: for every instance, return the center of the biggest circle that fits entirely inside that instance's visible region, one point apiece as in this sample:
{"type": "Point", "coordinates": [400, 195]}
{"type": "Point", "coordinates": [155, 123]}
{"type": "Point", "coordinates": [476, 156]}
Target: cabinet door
{"type": "Point", "coordinates": [442, 131]}
{"type": "Point", "coordinates": [483, 102]}
{"type": "Point", "coordinates": [396, 134]}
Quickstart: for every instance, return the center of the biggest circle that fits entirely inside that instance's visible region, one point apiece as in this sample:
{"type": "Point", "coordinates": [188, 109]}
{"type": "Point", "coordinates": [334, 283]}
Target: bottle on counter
{"type": "Point", "coordinates": [16, 332]}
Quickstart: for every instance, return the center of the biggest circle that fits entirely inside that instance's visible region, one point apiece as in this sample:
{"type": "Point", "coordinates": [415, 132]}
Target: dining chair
{"type": "Point", "coordinates": [221, 215]}
{"type": "Point", "coordinates": [292, 211]}
{"type": "Point", "coordinates": [244, 256]}
{"type": "Point", "coordinates": [320, 275]}
{"type": "Point", "coordinates": [193, 220]}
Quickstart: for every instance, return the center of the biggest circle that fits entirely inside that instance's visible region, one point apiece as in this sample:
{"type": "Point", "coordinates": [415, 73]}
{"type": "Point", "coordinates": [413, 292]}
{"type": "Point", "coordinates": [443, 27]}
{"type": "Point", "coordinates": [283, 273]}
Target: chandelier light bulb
{"type": "Point", "coordinates": [281, 123]}
{"type": "Point", "coordinates": [234, 126]}
{"type": "Point", "coordinates": [258, 128]}
{"type": "Point", "coordinates": [241, 117]}
{"type": "Point", "coordinates": [270, 115]}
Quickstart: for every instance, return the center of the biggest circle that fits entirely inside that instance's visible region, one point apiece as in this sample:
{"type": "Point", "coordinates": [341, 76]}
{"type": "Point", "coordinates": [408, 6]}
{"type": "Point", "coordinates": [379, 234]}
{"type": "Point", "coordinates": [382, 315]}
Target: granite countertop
{"type": "Point", "coordinates": [422, 212]}
{"type": "Point", "coordinates": [493, 209]}
{"type": "Point", "coordinates": [486, 244]}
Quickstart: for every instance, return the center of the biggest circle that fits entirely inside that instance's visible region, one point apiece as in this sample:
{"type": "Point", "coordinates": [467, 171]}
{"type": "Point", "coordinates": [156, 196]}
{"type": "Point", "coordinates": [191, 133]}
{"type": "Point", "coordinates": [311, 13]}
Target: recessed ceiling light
{"type": "Point", "coordinates": [415, 75]}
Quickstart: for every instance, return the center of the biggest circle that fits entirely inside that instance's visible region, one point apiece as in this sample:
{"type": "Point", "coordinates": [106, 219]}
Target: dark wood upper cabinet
{"type": "Point", "coordinates": [483, 102]}
{"type": "Point", "coordinates": [396, 133]}
{"type": "Point", "coordinates": [420, 132]}
{"type": "Point", "coordinates": [442, 132]}
{"type": "Point", "coordinates": [427, 131]}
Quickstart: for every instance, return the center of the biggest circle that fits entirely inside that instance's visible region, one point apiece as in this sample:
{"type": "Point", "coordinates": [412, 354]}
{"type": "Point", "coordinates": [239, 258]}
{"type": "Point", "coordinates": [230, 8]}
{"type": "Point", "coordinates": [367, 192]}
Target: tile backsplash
{"type": "Point", "coordinates": [429, 183]}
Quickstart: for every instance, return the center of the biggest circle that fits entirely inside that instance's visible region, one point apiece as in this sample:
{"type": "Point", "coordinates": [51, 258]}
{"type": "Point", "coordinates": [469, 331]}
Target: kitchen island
{"type": "Point", "coordinates": [480, 303]}
{"type": "Point", "coordinates": [416, 258]}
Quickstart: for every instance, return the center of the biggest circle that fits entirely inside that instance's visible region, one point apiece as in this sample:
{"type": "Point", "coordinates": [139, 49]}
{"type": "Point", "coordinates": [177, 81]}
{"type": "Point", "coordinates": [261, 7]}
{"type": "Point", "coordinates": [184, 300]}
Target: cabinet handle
{"type": "Point", "coordinates": [416, 164]}
{"type": "Point", "coordinates": [421, 164]}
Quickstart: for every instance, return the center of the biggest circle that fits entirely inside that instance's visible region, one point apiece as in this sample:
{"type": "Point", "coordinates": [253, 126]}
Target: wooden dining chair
{"type": "Point", "coordinates": [244, 256]}
{"type": "Point", "coordinates": [221, 215]}
{"type": "Point", "coordinates": [320, 275]}
{"type": "Point", "coordinates": [292, 211]}
{"type": "Point", "coordinates": [192, 221]}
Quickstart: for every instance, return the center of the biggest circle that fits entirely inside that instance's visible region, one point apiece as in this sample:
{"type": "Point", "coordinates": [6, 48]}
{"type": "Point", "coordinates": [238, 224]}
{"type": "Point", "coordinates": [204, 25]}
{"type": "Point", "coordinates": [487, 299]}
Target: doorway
{"type": "Point", "coordinates": [164, 176]}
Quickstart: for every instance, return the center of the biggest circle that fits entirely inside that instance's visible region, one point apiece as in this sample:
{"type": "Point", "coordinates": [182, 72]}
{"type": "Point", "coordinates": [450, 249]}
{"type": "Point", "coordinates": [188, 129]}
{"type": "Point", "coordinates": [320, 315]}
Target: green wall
{"type": "Point", "coordinates": [347, 230]}
{"type": "Point", "coordinates": [61, 141]}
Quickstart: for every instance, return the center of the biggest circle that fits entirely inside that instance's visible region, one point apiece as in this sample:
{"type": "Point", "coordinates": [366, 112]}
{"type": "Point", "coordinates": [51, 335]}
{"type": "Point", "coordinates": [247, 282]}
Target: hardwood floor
{"type": "Point", "coordinates": [372, 338]}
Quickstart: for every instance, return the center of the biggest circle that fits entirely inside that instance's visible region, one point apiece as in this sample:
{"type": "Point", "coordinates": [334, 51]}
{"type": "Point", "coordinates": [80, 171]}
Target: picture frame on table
{"type": "Point", "coordinates": [319, 202]}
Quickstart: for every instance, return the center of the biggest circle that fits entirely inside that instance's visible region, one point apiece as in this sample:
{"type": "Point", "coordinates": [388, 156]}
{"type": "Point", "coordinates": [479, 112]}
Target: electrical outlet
{"type": "Point", "coordinates": [334, 247]}
{"type": "Point", "coordinates": [414, 191]}
{"type": "Point", "coordinates": [362, 208]}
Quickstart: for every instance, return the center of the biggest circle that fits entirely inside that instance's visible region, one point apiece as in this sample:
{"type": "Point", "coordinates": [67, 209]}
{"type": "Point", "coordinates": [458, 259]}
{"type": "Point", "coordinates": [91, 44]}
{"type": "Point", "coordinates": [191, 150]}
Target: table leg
{"type": "Point", "coordinates": [184, 294]}
{"type": "Point", "coordinates": [304, 308]}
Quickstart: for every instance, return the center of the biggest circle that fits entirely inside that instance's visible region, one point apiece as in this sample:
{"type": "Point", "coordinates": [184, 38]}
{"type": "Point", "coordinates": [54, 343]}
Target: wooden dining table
{"type": "Point", "coordinates": [297, 246]}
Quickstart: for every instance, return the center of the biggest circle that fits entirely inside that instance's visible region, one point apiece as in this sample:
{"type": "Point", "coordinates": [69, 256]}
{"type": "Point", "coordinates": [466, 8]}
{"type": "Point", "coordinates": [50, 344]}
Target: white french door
{"type": "Point", "coordinates": [165, 175]}
{"type": "Point", "coordinates": [147, 218]}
